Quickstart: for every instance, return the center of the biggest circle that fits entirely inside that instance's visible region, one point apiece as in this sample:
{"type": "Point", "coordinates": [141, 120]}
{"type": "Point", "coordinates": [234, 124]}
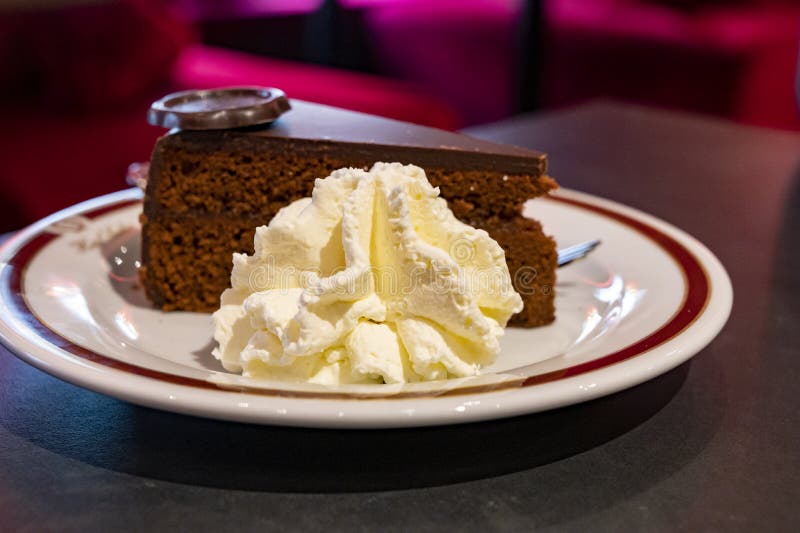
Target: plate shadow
{"type": "Point", "coordinates": [118, 436]}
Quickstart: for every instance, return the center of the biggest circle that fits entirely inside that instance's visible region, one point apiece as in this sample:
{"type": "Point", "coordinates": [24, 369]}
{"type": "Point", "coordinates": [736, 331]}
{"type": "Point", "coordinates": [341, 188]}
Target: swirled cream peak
{"type": "Point", "coordinates": [371, 280]}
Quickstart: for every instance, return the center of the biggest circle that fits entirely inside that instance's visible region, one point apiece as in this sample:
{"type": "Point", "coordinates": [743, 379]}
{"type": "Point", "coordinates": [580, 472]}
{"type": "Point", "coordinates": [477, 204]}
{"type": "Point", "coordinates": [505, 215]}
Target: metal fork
{"type": "Point", "coordinates": [576, 251]}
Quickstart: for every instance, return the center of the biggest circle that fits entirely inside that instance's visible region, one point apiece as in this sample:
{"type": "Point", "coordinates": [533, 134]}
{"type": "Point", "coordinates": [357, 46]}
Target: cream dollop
{"type": "Point", "coordinates": [371, 280]}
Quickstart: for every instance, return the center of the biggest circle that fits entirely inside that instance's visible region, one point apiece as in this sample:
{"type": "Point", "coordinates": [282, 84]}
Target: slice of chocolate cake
{"type": "Point", "coordinates": [208, 191]}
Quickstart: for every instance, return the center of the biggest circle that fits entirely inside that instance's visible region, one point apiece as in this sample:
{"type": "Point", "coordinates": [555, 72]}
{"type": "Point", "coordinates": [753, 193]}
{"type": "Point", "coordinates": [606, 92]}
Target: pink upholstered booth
{"type": "Point", "coordinates": [736, 59]}
{"type": "Point", "coordinates": [732, 58]}
{"type": "Point", "coordinates": [466, 52]}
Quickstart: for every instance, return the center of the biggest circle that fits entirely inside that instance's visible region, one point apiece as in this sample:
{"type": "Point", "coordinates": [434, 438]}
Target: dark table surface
{"type": "Point", "coordinates": [712, 445]}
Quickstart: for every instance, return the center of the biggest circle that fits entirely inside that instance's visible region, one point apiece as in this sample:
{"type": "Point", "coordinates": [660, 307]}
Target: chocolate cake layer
{"type": "Point", "coordinates": [209, 190]}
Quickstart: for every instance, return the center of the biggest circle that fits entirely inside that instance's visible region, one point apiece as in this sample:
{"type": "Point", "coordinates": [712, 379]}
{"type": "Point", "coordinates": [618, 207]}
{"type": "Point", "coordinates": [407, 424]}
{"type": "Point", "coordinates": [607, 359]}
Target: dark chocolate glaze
{"type": "Point", "coordinates": [360, 136]}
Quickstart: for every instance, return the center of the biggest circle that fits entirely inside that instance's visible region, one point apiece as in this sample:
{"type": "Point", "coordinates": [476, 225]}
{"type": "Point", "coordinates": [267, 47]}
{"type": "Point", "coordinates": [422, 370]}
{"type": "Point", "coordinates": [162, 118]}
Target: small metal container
{"type": "Point", "coordinates": [218, 109]}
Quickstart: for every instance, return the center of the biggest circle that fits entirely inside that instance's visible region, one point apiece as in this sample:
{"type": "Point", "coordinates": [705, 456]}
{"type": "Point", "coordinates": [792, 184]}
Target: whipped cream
{"type": "Point", "coordinates": [371, 280]}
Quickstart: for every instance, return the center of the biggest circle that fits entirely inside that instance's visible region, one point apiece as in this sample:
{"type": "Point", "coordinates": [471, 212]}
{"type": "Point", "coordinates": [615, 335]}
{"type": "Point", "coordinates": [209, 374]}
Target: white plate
{"type": "Point", "coordinates": [645, 301]}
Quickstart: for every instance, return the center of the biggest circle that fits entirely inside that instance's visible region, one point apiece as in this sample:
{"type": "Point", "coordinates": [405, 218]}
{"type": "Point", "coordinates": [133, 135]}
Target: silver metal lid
{"type": "Point", "coordinates": [218, 109]}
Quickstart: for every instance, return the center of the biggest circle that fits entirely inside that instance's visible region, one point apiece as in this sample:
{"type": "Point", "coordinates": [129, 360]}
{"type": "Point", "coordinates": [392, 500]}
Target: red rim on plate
{"type": "Point", "coordinates": [695, 299]}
